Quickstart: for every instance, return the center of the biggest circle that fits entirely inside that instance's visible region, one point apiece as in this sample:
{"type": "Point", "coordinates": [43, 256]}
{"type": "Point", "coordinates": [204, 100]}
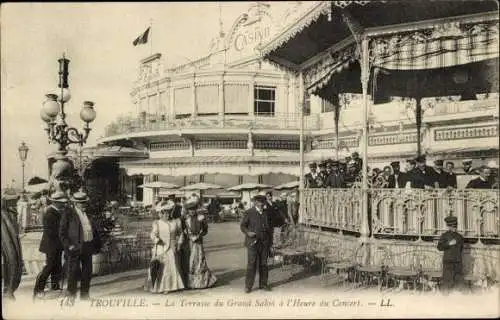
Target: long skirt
{"type": "Point", "coordinates": [199, 275]}
{"type": "Point", "coordinates": [169, 276]}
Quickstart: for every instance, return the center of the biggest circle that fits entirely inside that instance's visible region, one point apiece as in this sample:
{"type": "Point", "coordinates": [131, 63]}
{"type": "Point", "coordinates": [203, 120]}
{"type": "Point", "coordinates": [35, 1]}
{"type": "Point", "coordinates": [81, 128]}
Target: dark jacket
{"type": "Point", "coordinates": [177, 212]}
{"type": "Point", "coordinates": [196, 225]}
{"type": "Point", "coordinates": [420, 179]}
{"type": "Point", "coordinates": [253, 221]}
{"type": "Point", "coordinates": [451, 179]}
{"type": "Point", "coordinates": [335, 180]}
{"type": "Point", "coordinates": [441, 178]}
{"type": "Point", "coordinates": [311, 182]}
{"type": "Point", "coordinates": [479, 183]}
{"type": "Point", "coordinates": [71, 233]}
{"type": "Point", "coordinates": [50, 238]}
{"type": "Point", "coordinates": [276, 214]}
{"type": "Point", "coordinates": [401, 180]}
{"type": "Point", "coordinates": [451, 253]}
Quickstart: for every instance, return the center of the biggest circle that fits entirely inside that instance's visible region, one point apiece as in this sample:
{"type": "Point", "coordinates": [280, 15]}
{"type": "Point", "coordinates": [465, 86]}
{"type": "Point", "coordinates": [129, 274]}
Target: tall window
{"type": "Point", "coordinates": [264, 100]}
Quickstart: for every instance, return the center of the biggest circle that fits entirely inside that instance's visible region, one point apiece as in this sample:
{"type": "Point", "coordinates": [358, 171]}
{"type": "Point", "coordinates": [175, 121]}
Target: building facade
{"type": "Point", "coordinates": [230, 118]}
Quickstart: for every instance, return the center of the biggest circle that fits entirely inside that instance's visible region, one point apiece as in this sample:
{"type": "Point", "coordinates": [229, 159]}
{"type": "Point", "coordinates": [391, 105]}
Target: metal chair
{"type": "Point", "coordinates": [339, 264]}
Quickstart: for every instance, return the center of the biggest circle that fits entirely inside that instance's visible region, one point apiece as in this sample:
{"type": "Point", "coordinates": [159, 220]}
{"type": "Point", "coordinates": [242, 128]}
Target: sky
{"type": "Point", "coordinates": [97, 39]}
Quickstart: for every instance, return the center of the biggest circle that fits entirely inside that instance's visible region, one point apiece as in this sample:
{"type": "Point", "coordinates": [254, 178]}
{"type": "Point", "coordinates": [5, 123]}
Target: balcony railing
{"type": "Point", "coordinates": [276, 121]}
{"type": "Point", "coordinates": [291, 121]}
{"type": "Point", "coordinates": [398, 213]}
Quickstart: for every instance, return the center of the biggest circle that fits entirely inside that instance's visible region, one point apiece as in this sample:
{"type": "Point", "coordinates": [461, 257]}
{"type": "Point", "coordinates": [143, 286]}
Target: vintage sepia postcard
{"type": "Point", "coordinates": [250, 160]}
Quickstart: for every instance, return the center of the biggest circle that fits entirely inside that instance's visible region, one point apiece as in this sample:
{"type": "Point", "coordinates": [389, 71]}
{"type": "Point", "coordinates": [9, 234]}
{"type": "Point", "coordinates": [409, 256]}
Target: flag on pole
{"type": "Point", "coordinates": [143, 38]}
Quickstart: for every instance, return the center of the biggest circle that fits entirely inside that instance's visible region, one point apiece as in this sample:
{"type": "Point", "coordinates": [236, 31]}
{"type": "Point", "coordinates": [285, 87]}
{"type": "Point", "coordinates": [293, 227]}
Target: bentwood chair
{"type": "Point", "coordinates": [339, 265]}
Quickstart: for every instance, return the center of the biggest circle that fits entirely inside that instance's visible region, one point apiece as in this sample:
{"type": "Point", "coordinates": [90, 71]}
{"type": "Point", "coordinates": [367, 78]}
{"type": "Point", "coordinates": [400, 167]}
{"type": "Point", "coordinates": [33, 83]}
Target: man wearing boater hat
{"type": "Point", "coordinates": [258, 236]}
{"type": "Point", "coordinates": [80, 240]}
{"type": "Point", "coordinates": [50, 244]}
{"type": "Point", "coordinates": [451, 243]}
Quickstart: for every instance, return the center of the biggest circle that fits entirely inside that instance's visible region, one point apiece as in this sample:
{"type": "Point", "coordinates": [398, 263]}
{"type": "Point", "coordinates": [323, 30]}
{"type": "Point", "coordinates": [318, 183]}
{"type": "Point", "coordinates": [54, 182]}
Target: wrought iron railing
{"type": "Point", "coordinates": [405, 212]}
{"type": "Point", "coordinates": [333, 208]}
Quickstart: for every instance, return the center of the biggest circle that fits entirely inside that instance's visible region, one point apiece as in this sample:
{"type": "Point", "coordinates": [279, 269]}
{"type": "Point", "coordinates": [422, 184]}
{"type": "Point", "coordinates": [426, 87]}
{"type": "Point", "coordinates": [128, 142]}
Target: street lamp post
{"type": "Point", "coordinates": [23, 154]}
{"type": "Point", "coordinates": [58, 131]}
{"type": "Point", "coordinates": [81, 162]}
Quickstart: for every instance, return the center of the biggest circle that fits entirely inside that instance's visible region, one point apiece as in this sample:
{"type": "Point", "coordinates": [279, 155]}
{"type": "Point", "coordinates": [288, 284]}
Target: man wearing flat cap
{"type": "Point", "coordinates": [258, 238]}
{"type": "Point", "coordinates": [50, 244]}
{"type": "Point", "coordinates": [397, 179]}
{"type": "Point", "coordinates": [81, 240]}
{"type": "Point", "coordinates": [467, 166]}
{"type": "Point", "coordinates": [312, 179]}
{"type": "Point", "coordinates": [322, 174]}
{"type": "Point", "coordinates": [335, 179]}
{"type": "Point", "coordinates": [451, 243]}
{"type": "Point", "coordinates": [358, 162]}
{"type": "Point", "coordinates": [440, 176]}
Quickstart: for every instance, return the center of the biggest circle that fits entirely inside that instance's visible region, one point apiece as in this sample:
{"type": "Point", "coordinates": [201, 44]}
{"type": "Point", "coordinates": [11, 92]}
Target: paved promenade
{"type": "Point", "coordinates": [300, 293]}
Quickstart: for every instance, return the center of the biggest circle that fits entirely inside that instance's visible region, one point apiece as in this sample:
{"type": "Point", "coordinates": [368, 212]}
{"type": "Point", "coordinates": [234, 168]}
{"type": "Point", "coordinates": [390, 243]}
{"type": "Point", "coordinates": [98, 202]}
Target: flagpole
{"type": "Point", "coordinates": [151, 37]}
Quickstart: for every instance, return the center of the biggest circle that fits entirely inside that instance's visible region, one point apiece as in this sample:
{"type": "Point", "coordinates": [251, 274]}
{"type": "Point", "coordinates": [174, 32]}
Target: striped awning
{"type": "Point", "coordinates": [318, 75]}
{"type": "Point", "coordinates": [237, 165]}
{"type": "Point", "coordinates": [445, 45]}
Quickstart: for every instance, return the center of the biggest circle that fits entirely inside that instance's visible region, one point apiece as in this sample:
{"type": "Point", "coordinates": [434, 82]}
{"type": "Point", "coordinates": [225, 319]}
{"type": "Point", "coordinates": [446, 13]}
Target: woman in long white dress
{"type": "Point", "coordinates": [167, 237]}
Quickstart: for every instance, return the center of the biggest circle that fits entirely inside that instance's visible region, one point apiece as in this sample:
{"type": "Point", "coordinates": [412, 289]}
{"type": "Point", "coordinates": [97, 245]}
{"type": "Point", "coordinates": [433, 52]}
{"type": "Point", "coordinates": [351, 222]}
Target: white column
{"type": "Point", "coordinates": [365, 76]}
{"type": "Point", "coordinates": [250, 143]}
{"type": "Point", "coordinates": [301, 146]}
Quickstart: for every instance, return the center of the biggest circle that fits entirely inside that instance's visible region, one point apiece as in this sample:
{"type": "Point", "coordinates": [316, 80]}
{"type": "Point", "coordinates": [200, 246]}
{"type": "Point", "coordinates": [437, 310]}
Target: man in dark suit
{"type": "Point", "coordinates": [176, 214]}
{"type": "Point", "coordinates": [422, 176]}
{"type": "Point", "coordinates": [483, 181]}
{"type": "Point", "coordinates": [358, 162]}
{"type": "Point", "coordinates": [397, 179]}
{"type": "Point", "coordinates": [440, 176]}
{"type": "Point", "coordinates": [81, 240]}
{"type": "Point", "coordinates": [451, 177]}
{"type": "Point", "coordinates": [51, 245]}
{"type": "Point", "coordinates": [258, 234]}
{"type": "Point", "coordinates": [452, 244]}
{"type": "Point", "coordinates": [335, 179]}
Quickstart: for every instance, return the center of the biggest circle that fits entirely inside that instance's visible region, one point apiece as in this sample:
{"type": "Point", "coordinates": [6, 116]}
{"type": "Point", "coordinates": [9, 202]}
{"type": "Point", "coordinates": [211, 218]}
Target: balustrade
{"type": "Point", "coordinates": [406, 212]}
{"type": "Point", "coordinates": [259, 121]}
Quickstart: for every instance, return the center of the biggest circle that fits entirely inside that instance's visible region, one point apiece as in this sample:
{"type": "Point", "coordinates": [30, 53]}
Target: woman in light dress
{"type": "Point", "coordinates": [199, 275]}
{"type": "Point", "coordinates": [167, 238]}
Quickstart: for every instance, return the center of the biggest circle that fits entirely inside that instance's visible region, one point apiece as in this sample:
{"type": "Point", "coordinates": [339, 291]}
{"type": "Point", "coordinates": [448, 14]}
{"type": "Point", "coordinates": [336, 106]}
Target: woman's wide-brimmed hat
{"type": "Point", "coordinates": [261, 196]}
{"type": "Point", "coordinates": [79, 197]}
{"type": "Point", "coordinates": [168, 206]}
{"type": "Point", "coordinates": [192, 202]}
{"type": "Point", "coordinates": [58, 196]}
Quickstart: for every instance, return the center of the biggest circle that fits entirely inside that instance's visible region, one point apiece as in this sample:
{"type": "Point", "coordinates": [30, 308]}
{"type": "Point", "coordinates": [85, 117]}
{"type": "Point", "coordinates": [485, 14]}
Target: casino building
{"type": "Point", "coordinates": [229, 118]}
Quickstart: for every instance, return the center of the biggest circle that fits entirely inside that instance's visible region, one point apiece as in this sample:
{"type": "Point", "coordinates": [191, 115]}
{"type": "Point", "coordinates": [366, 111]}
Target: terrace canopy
{"type": "Point", "coordinates": [413, 49]}
{"type": "Point", "coordinates": [381, 49]}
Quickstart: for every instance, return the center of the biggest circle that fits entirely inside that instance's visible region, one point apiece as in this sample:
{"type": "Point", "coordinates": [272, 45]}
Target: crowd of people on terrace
{"type": "Point", "coordinates": [416, 174]}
